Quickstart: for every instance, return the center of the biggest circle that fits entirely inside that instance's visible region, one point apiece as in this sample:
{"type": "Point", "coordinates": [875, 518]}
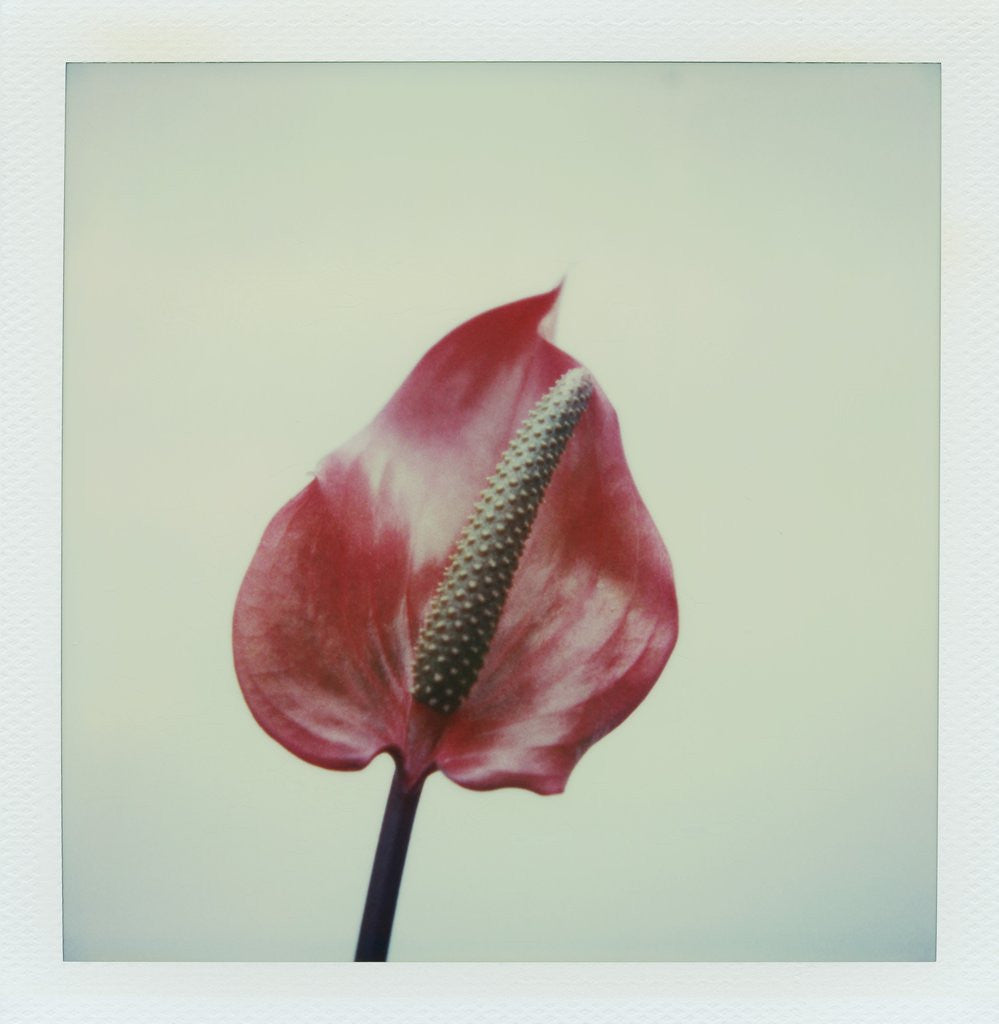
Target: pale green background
{"type": "Point", "coordinates": [255, 257]}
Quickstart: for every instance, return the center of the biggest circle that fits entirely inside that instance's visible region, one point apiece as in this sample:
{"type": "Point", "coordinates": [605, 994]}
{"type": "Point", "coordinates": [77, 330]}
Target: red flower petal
{"type": "Point", "coordinates": [328, 615]}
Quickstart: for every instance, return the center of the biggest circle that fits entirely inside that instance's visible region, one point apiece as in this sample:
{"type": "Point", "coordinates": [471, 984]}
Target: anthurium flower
{"type": "Point", "coordinates": [472, 583]}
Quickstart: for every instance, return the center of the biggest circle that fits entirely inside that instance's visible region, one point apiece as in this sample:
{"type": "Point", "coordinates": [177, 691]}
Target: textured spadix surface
{"type": "Point", "coordinates": [467, 605]}
{"type": "Point", "coordinates": [328, 619]}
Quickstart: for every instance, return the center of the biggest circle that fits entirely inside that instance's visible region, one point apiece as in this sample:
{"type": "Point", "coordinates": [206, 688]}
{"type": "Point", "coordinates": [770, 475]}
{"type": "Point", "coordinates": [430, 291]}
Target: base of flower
{"type": "Point", "coordinates": [386, 871]}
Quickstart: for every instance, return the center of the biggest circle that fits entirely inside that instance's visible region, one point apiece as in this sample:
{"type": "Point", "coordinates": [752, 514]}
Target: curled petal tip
{"type": "Point", "coordinates": [546, 326]}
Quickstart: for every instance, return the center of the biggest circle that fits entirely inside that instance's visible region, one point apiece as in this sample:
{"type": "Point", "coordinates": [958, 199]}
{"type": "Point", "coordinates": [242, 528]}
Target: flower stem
{"type": "Point", "coordinates": [386, 871]}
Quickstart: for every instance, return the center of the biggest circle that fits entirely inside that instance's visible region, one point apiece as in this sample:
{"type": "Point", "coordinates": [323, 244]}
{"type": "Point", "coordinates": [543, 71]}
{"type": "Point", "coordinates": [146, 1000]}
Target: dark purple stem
{"type": "Point", "coordinates": [386, 872]}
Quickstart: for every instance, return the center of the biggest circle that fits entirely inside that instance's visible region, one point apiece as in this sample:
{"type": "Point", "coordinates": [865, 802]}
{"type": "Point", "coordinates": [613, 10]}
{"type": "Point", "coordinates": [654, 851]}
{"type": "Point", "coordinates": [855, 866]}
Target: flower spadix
{"type": "Point", "coordinates": [466, 607]}
{"type": "Point", "coordinates": [472, 583]}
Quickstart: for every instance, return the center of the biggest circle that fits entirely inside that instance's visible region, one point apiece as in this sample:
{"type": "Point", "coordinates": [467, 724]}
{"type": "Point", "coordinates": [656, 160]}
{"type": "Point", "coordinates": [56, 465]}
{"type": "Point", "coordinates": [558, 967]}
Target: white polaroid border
{"type": "Point", "coordinates": [36, 41]}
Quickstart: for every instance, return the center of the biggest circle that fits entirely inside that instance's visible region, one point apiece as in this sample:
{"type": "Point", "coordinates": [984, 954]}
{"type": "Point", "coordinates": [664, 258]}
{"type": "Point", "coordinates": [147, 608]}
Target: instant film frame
{"type": "Point", "coordinates": [257, 254]}
{"type": "Point", "coordinates": [819, 988]}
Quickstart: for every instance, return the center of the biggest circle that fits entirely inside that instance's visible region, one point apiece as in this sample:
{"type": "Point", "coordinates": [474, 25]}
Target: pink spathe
{"type": "Point", "coordinates": [328, 615]}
